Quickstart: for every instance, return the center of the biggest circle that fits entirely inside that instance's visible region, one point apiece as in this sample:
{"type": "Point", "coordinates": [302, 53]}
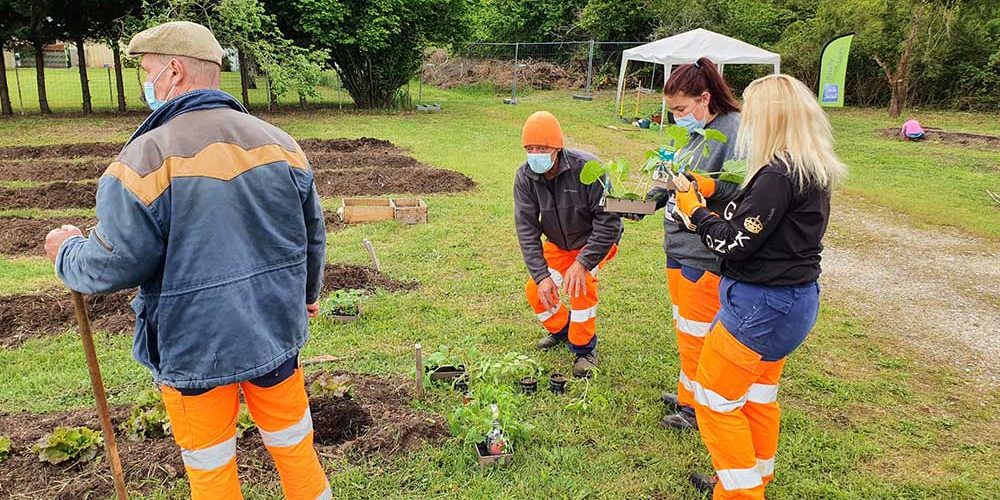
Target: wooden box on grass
{"type": "Point", "coordinates": [356, 210]}
{"type": "Point", "coordinates": [410, 210]}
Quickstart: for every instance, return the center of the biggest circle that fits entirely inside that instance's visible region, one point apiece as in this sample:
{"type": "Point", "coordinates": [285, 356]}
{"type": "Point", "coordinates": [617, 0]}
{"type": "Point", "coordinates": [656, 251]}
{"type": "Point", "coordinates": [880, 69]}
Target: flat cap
{"type": "Point", "coordinates": [177, 38]}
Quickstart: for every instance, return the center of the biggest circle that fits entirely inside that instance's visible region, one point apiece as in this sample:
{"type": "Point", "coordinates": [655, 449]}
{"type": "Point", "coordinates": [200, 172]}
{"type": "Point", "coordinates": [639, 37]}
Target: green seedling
{"type": "Point", "coordinates": [331, 386]}
{"type": "Point", "coordinates": [69, 443]}
{"type": "Point", "coordinates": [148, 418]}
{"type": "Point", "coordinates": [5, 447]}
{"type": "Point", "coordinates": [343, 303]}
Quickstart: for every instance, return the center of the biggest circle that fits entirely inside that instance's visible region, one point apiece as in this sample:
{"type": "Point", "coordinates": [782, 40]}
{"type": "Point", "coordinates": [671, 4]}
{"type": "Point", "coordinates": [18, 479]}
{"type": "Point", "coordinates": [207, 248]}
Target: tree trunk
{"type": "Point", "coordinates": [81, 57]}
{"type": "Point", "coordinates": [116, 50]}
{"type": "Point", "coordinates": [43, 101]}
{"type": "Point", "coordinates": [5, 108]}
{"type": "Point", "coordinates": [302, 101]}
{"type": "Point", "coordinates": [244, 78]}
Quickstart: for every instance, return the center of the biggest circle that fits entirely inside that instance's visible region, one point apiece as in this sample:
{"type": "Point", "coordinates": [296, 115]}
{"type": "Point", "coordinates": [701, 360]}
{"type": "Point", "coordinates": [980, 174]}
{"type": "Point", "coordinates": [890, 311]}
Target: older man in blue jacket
{"type": "Point", "coordinates": [214, 215]}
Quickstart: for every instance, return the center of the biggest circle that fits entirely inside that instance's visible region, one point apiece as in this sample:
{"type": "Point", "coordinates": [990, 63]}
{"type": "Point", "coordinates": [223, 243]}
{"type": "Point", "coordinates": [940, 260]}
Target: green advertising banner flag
{"type": "Point", "coordinates": [833, 71]}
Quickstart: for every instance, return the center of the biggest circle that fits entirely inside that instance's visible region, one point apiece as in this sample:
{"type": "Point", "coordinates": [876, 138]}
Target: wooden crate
{"type": "Point", "coordinates": [410, 210]}
{"type": "Point", "coordinates": [356, 210]}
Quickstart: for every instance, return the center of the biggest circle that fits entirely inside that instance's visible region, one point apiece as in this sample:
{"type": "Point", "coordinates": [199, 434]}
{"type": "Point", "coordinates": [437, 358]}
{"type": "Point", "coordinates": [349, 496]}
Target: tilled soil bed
{"type": "Point", "coordinates": [25, 236]}
{"type": "Point", "coordinates": [345, 145]}
{"type": "Point", "coordinates": [362, 159]}
{"type": "Point", "coordinates": [375, 421]}
{"type": "Point", "coordinates": [81, 150]}
{"type": "Point", "coordinates": [47, 170]}
{"type": "Point", "coordinates": [36, 315]}
{"type": "Point", "coordinates": [50, 196]}
{"type": "Point", "coordinates": [372, 181]}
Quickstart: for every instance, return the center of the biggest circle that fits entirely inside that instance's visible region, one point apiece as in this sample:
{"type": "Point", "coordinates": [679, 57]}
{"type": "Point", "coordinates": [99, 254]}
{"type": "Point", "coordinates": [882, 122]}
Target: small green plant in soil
{"type": "Point", "coordinates": [5, 447]}
{"type": "Point", "coordinates": [343, 303]}
{"type": "Point", "coordinates": [69, 443]}
{"type": "Point", "coordinates": [452, 356]}
{"type": "Point", "coordinates": [472, 422]}
{"type": "Point", "coordinates": [148, 418]}
{"type": "Point", "coordinates": [244, 422]}
{"type": "Point", "coordinates": [331, 386]}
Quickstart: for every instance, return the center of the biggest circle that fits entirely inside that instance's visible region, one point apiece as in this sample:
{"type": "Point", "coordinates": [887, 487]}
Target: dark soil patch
{"type": "Point", "coordinates": [333, 222]}
{"type": "Point", "coordinates": [25, 236]}
{"type": "Point", "coordinates": [338, 420]}
{"type": "Point", "coordinates": [51, 170]}
{"type": "Point", "coordinates": [372, 181]}
{"type": "Point", "coordinates": [50, 196]}
{"type": "Point", "coordinates": [312, 146]}
{"type": "Point", "coordinates": [105, 150]}
{"type": "Point", "coordinates": [353, 277]}
{"type": "Point", "coordinates": [375, 421]}
{"type": "Point", "coordinates": [362, 159]}
{"type": "Point", "coordinates": [960, 138]}
{"type": "Point", "coordinates": [35, 315]}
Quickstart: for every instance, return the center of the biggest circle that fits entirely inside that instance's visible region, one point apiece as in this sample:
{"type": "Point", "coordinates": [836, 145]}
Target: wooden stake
{"type": "Point", "coordinates": [97, 384]}
{"type": "Point", "coordinates": [420, 371]}
{"type": "Point", "coordinates": [371, 253]}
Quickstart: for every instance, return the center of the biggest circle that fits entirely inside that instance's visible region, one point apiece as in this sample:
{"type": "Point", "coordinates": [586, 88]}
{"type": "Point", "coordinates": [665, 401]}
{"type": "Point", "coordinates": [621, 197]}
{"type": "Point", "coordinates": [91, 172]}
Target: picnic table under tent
{"type": "Point", "coordinates": [687, 48]}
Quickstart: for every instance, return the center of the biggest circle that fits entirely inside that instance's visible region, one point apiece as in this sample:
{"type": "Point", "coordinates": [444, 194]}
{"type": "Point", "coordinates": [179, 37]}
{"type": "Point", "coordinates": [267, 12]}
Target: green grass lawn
{"type": "Point", "coordinates": [865, 417]}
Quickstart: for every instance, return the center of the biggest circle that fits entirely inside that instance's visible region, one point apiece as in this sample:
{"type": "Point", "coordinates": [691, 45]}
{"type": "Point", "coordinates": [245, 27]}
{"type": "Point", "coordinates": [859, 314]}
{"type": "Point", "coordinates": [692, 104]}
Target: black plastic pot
{"type": "Point", "coordinates": [529, 385]}
{"type": "Point", "coordinates": [461, 385]}
{"type": "Point", "coordinates": [446, 372]}
{"type": "Point", "coordinates": [557, 383]}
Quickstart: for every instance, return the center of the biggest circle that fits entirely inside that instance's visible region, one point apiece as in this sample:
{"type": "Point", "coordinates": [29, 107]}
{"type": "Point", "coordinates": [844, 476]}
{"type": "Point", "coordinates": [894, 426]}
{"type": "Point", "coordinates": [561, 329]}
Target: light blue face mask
{"type": "Point", "coordinates": [540, 162]}
{"type": "Point", "coordinates": [150, 92]}
{"type": "Point", "coordinates": [690, 122]}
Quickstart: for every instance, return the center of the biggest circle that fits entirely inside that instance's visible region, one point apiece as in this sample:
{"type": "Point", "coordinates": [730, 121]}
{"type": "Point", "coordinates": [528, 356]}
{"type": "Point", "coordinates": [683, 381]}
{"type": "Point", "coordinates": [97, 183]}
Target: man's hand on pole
{"type": "Point", "coordinates": [548, 293]}
{"type": "Point", "coordinates": [56, 237]}
{"type": "Point", "coordinates": [575, 280]}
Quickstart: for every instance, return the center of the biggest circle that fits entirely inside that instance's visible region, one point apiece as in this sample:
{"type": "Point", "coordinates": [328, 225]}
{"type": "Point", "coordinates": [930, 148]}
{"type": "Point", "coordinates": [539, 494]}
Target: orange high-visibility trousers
{"type": "Point", "coordinates": [582, 313]}
{"type": "Point", "coordinates": [695, 296]}
{"type": "Point", "coordinates": [204, 427]}
{"type": "Point", "coordinates": [738, 414]}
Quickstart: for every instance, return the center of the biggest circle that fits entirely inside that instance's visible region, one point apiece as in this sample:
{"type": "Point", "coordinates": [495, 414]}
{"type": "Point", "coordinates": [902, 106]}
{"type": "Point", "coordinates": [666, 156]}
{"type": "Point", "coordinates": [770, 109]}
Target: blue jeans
{"type": "Point", "coordinates": [771, 320]}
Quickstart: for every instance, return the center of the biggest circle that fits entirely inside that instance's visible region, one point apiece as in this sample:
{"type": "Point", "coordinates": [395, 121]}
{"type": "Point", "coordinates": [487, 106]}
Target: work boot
{"type": "Point", "coordinates": [683, 419]}
{"type": "Point", "coordinates": [585, 364]}
{"type": "Point", "coordinates": [549, 341]}
{"type": "Point", "coordinates": [704, 482]}
{"type": "Point", "coordinates": [670, 399]}
{"type": "Point", "coordinates": [553, 339]}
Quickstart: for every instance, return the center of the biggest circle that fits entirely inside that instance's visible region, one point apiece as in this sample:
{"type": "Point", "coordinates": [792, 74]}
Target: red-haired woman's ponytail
{"type": "Point", "coordinates": [703, 76]}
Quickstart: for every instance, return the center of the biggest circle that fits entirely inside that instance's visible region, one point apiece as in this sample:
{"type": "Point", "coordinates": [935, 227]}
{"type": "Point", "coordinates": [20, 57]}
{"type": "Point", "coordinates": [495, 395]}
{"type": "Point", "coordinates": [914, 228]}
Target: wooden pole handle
{"type": "Point", "coordinates": [97, 383]}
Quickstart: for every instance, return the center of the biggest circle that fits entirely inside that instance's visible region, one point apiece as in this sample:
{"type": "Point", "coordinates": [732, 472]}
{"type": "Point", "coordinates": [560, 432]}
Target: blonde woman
{"type": "Point", "coordinates": [769, 239]}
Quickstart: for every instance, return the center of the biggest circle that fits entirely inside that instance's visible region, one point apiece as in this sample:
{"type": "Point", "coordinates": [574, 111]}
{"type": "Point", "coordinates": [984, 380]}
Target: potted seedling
{"type": "Point", "coordinates": [343, 306]}
{"type": "Point", "coordinates": [618, 196]}
{"type": "Point", "coordinates": [448, 365]}
{"type": "Point", "coordinates": [489, 423]}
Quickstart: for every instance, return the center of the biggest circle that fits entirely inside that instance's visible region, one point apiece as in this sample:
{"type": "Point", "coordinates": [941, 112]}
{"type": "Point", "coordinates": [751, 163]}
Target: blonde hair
{"type": "Point", "coordinates": [782, 120]}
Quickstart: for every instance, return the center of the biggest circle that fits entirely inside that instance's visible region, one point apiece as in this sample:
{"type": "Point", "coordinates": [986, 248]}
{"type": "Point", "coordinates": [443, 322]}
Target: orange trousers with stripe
{"type": "Point", "coordinates": [694, 294]}
{"type": "Point", "coordinates": [582, 312]}
{"type": "Point", "coordinates": [204, 427]}
{"type": "Point", "coordinates": [738, 414]}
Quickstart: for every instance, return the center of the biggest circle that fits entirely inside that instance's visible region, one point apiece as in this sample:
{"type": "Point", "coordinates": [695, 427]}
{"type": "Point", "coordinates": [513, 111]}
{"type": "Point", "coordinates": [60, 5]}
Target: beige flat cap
{"type": "Point", "coordinates": [177, 38]}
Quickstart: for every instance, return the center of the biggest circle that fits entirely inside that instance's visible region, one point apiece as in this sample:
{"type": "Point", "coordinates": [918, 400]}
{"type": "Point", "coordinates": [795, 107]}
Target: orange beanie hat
{"type": "Point", "coordinates": [542, 129]}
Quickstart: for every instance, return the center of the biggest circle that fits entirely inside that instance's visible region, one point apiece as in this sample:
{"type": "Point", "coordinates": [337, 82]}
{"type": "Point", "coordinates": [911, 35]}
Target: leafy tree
{"type": "Point", "coordinates": [520, 21]}
{"type": "Point", "coordinates": [39, 29]}
{"type": "Point", "coordinates": [375, 45]}
{"type": "Point", "coordinates": [12, 27]}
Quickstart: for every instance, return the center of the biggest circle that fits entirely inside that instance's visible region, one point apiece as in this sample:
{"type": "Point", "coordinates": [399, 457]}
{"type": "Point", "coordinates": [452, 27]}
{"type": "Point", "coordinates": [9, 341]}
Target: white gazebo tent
{"type": "Point", "coordinates": [687, 48]}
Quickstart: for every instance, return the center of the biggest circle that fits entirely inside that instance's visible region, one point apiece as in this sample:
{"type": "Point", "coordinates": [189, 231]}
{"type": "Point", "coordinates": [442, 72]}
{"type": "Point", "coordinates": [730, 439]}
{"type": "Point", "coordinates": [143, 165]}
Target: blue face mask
{"type": "Point", "coordinates": [540, 162]}
{"type": "Point", "coordinates": [150, 92]}
{"type": "Point", "coordinates": [690, 122]}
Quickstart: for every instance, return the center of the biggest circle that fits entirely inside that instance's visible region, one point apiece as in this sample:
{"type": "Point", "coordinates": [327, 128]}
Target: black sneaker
{"type": "Point", "coordinates": [684, 419]}
{"type": "Point", "coordinates": [704, 482]}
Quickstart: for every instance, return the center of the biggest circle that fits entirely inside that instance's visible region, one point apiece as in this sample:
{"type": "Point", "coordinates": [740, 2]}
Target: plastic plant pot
{"type": "Point", "coordinates": [557, 383]}
{"type": "Point", "coordinates": [529, 385]}
{"type": "Point", "coordinates": [487, 460]}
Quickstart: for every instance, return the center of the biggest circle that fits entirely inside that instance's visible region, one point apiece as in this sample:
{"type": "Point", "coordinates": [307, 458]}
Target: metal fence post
{"type": "Point", "coordinates": [17, 78]}
{"type": "Point", "coordinates": [111, 94]}
{"type": "Point", "coordinates": [587, 95]}
{"type": "Point", "coordinates": [513, 83]}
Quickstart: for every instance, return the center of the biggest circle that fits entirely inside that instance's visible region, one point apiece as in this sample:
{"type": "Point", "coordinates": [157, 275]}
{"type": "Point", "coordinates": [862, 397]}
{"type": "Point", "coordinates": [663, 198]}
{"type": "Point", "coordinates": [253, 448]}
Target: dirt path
{"type": "Point", "coordinates": [939, 289]}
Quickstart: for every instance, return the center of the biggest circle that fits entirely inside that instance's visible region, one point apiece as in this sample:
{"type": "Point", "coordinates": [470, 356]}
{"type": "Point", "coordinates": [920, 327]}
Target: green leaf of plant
{"type": "Point", "coordinates": [678, 136]}
{"type": "Point", "coordinates": [592, 170]}
{"type": "Point", "coordinates": [714, 135]}
{"type": "Point", "coordinates": [630, 196]}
